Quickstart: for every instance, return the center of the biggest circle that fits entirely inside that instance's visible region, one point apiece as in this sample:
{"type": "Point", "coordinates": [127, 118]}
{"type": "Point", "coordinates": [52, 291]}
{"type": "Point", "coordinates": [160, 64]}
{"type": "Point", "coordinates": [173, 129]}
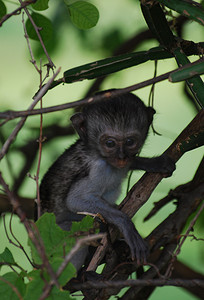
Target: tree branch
{"type": "Point", "coordinates": [16, 11]}
{"type": "Point", "coordinates": [16, 114]}
{"type": "Point", "coordinates": [139, 283]}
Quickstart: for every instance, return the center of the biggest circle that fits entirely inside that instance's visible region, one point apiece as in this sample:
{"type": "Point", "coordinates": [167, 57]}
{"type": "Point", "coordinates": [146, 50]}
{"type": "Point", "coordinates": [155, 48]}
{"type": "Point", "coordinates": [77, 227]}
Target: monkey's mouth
{"type": "Point", "coordinates": [120, 163]}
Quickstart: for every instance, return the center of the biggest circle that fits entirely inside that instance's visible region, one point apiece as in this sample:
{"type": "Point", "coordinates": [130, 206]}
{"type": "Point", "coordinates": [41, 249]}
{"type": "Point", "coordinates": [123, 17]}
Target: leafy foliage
{"type": "Point", "coordinates": [57, 244]}
{"type": "Point", "coordinates": [83, 15]}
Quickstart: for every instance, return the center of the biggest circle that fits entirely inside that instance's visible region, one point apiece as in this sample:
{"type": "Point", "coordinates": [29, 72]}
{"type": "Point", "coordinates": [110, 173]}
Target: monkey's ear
{"type": "Point", "coordinates": [78, 122]}
{"type": "Point", "coordinates": [150, 112]}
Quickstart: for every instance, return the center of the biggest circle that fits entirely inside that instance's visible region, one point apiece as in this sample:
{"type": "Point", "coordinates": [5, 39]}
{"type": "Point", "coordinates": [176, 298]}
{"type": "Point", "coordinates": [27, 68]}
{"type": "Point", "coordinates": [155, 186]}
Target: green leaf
{"type": "Point", "coordinates": [194, 141]}
{"type": "Point", "coordinates": [57, 242]}
{"type": "Point", "coordinates": [113, 64]}
{"type": "Point", "coordinates": [85, 224]}
{"type": "Point", "coordinates": [83, 15]}
{"type": "Point", "coordinates": [40, 5]}
{"type": "Point", "coordinates": [3, 9]}
{"type": "Point", "coordinates": [195, 83]}
{"type": "Point", "coordinates": [188, 72]}
{"type": "Point", "coordinates": [110, 65]}
{"type": "Point", "coordinates": [35, 287]}
{"type": "Point", "coordinates": [7, 257]}
{"type": "Point", "coordinates": [68, 273]}
{"type": "Point", "coordinates": [186, 8]}
{"type": "Point", "coordinates": [43, 23]}
{"type": "Point", "coordinates": [59, 295]}
{"type": "Point", "coordinates": [11, 286]}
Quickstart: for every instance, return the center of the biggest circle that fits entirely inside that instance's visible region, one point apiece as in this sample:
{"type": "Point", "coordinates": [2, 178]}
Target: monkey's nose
{"type": "Point", "coordinates": [121, 154]}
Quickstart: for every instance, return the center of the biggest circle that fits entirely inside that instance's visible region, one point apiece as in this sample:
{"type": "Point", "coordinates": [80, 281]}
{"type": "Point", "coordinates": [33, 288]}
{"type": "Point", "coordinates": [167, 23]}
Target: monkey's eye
{"type": "Point", "coordinates": [129, 142]}
{"type": "Point", "coordinates": [110, 143]}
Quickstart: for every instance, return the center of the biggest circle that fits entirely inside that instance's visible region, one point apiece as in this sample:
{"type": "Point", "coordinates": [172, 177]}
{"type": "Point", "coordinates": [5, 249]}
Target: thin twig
{"type": "Point", "coordinates": [18, 127]}
{"type": "Point", "coordinates": [33, 61]}
{"type": "Point", "coordinates": [16, 11]}
{"type": "Point", "coordinates": [77, 246]}
{"type": "Point", "coordinates": [31, 230]}
{"type": "Point", "coordinates": [18, 245]}
{"type": "Point", "coordinates": [51, 64]}
{"type": "Point", "coordinates": [183, 239]}
{"type": "Point", "coordinates": [40, 141]}
{"type": "Point", "coordinates": [113, 93]}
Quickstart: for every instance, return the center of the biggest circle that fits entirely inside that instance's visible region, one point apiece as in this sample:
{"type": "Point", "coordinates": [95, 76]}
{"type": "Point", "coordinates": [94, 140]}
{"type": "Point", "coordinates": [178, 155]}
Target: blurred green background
{"type": "Point", "coordinates": [119, 21]}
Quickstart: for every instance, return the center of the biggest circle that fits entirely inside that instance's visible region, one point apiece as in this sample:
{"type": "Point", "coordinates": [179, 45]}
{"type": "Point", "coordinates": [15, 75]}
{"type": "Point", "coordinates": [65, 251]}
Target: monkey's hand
{"type": "Point", "coordinates": [165, 165]}
{"type": "Point", "coordinates": [138, 247]}
{"type": "Point", "coordinates": [160, 164]}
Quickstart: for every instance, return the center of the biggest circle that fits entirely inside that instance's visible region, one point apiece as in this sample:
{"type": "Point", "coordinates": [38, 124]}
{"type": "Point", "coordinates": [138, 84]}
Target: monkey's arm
{"type": "Point", "coordinates": [95, 204]}
{"type": "Point", "coordinates": [160, 164]}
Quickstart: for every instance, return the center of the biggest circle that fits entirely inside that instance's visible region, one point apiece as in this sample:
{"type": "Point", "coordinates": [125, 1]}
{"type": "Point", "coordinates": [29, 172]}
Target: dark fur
{"type": "Point", "coordinates": [70, 167]}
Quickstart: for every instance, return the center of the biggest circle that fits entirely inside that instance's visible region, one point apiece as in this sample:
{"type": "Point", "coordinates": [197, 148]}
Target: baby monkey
{"type": "Point", "coordinates": [87, 177]}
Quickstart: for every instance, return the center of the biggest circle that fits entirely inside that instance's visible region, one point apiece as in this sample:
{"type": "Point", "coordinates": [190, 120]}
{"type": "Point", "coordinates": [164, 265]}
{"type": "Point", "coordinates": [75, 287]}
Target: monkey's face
{"type": "Point", "coordinates": [119, 150]}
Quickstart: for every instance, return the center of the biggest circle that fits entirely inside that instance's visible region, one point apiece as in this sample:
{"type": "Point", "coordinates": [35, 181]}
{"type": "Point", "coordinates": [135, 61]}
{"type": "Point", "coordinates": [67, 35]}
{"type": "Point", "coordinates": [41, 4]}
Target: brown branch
{"type": "Point", "coordinates": [180, 270]}
{"type": "Point", "coordinates": [183, 239]}
{"type": "Point", "coordinates": [161, 262]}
{"type": "Point", "coordinates": [113, 93]}
{"type": "Point", "coordinates": [158, 205]}
{"type": "Point", "coordinates": [18, 127]}
{"type": "Point", "coordinates": [169, 230]}
{"type": "Point", "coordinates": [173, 194]}
{"type": "Point", "coordinates": [16, 11]}
{"type": "Point", "coordinates": [138, 195]}
{"type": "Point", "coordinates": [16, 114]}
{"type": "Point", "coordinates": [140, 283]}
{"type": "Point", "coordinates": [27, 205]}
